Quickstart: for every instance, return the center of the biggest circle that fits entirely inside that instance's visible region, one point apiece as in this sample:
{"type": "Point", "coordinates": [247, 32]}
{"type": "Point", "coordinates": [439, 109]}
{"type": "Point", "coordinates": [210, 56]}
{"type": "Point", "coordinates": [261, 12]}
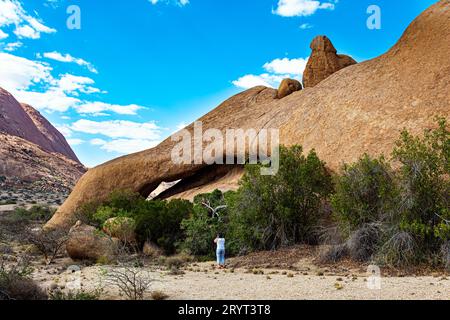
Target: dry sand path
{"type": "Point", "coordinates": [241, 284]}
{"type": "Point", "coordinates": [249, 286]}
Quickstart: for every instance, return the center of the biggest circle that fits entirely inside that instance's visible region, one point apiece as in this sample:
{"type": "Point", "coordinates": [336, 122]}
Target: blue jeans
{"type": "Point", "coordinates": [220, 256]}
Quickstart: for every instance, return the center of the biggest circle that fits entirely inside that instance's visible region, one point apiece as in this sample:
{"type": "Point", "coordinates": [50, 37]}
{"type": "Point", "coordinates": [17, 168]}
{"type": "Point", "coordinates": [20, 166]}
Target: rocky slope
{"type": "Point", "coordinates": [55, 140]}
{"type": "Point", "coordinates": [25, 162]}
{"type": "Point", "coordinates": [22, 120]}
{"type": "Point", "coordinates": [359, 109]}
{"type": "Point", "coordinates": [34, 156]}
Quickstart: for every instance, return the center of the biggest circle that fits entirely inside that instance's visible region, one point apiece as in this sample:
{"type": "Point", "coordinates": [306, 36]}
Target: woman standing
{"type": "Point", "coordinates": [220, 251]}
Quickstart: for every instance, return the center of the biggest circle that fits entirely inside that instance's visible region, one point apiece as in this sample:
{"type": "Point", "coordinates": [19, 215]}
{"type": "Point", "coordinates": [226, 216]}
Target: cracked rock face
{"type": "Point", "coordinates": [323, 62]}
{"type": "Point", "coordinates": [360, 109]}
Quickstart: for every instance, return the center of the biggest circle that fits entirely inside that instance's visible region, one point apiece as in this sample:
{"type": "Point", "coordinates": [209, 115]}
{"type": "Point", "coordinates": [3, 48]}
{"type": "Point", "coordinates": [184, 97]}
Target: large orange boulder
{"type": "Point", "coordinates": [87, 243]}
{"type": "Point", "coordinates": [287, 87]}
{"type": "Point", "coordinates": [323, 62]}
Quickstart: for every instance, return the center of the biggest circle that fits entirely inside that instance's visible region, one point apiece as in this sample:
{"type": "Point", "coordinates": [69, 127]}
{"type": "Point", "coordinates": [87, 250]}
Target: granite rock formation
{"type": "Point", "coordinates": [359, 109]}
{"type": "Point", "coordinates": [323, 62]}
{"type": "Point", "coordinates": [287, 87]}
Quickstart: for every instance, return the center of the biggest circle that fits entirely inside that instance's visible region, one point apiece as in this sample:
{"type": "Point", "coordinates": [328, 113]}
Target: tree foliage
{"type": "Point", "coordinates": [268, 212]}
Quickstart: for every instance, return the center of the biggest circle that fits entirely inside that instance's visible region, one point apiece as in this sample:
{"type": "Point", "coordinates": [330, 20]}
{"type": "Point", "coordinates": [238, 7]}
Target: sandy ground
{"type": "Point", "coordinates": [201, 281]}
{"type": "Point", "coordinates": [6, 208]}
{"type": "Point", "coordinates": [249, 286]}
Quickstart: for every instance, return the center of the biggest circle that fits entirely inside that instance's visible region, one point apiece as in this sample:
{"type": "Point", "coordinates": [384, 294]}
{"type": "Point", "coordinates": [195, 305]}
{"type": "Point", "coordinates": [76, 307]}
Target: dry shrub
{"type": "Point", "coordinates": [128, 254]}
{"type": "Point", "coordinates": [364, 242]}
{"type": "Point", "coordinates": [19, 288]}
{"type": "Point", "coordinates": [445, 251]}
{"type": "Point", "coordinates": [175, 271]}
{"type": "Point", "coordinates": [131, 282]}
{"type": "Point", "coordinates": [400, 250]}
{"type": "Point", "coordinates": [330, 235]}
{"type": "Point", "coordinates": [15, 283]}
{"type": "Point", "coordinates": [82, 295]}
{"type": "Point", "coordinates": [334, 253]}
{"type": "Point", "coordinates": [48, 243]}
{"type": "Point", "coordinates": [159, 295]}
{"type": "Point", "coordinates": [177, 261]}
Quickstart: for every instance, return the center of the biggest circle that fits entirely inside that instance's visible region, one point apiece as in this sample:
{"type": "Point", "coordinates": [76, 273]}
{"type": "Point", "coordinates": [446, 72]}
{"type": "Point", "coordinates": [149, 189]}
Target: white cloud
{"type": "Point", "coordinates": [20, 76]}
{"type": "Point", "coordinates": [251, 80]}
{"type": "Point", "coordinates": [19, 73]}
{"type": "Point", "coordinates": [64, 129]}
{"type": "Point", "coordinates": [52, 3]}
{"type": "Point", "coordinates": [124, 146]}
{"type": "Point", "coordinates": [26, 26]}
{"type": "Point", "coordinates": [98, 108]}
{"type": "Point", "coordinates": [26, 32]}
{"type": "Point", "coordinates": [70, 59]}
{"type": "Point", "coordinates": [125, 136]}
{"type": "Point", "coordinates": [118, 129]}
{"type": "Point", "coordinates": [50, 100]}
{"type": "Point", "coordinates": [180, 3]}
{"type": "Point", "coordinates": [295, 8]}
{"type": "Point", "coordinates": [305, 26]}
{"type": "Point", "coordinates": [76, 84]}
{"type": "Point", "coordinates": [3, 35]}
{"type": "Point", "coordinates": [276, 71]}
{"type": "Point", "coordinates": [12, 46]}
{"type": "Point", "coordinates": [75, 142]}
{"type": "Point", "coordinates": [286, 66]}
{"type": "Point", "coordinates": [97, 142]}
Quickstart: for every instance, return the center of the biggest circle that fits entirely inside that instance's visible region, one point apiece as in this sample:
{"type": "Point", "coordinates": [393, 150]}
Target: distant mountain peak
{"type": "Point", "coordinates": [23, 121]}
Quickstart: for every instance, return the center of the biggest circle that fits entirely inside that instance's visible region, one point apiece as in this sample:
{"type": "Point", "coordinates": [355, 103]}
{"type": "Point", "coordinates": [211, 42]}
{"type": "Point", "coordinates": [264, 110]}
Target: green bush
{"type": "Point", "coordinates": [125, 200]}
{"type": "Point", "coordinates": [365, 193]}
{"type": "Point", "coordinates": [402, 217]}
{"type": "Point", "coordinates": [159, 224]}
{"type": "Point", "coordinates": [20, 215]}
{"type": "Point", "coordinates": [122, 228]}
{"type": "Point", "coordinates": [104, 213]}
{"type": "Point", "coordinates": [41, 213]}
{"type": "Point", "coordinates": [35, 213]}
{"type": "Point", "coordinates": [425, 185]}
{"type": "Point", "coordinates": [120, 203]}
{"type": "Point", "coordinates": [273, 211]}
{"type": "Point", "coordinates": [155, 220]}
{"type": "Point", "coordinates": [202, 227]}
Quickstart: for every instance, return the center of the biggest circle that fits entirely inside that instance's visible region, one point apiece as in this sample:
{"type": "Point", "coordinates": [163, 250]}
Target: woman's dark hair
{"type": "Point", "coordinates": [220, 235]}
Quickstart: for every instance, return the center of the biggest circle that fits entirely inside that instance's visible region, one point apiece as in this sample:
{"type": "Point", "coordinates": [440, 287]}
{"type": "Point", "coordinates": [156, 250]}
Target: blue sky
{"type": "Point", "coordinates": [138, 70]}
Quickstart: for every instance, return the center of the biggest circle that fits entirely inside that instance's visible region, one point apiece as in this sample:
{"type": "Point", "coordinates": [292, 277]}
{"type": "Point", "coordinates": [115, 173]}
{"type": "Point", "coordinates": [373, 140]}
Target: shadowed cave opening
{"type": "Point", "coordinates": [206, 179]}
